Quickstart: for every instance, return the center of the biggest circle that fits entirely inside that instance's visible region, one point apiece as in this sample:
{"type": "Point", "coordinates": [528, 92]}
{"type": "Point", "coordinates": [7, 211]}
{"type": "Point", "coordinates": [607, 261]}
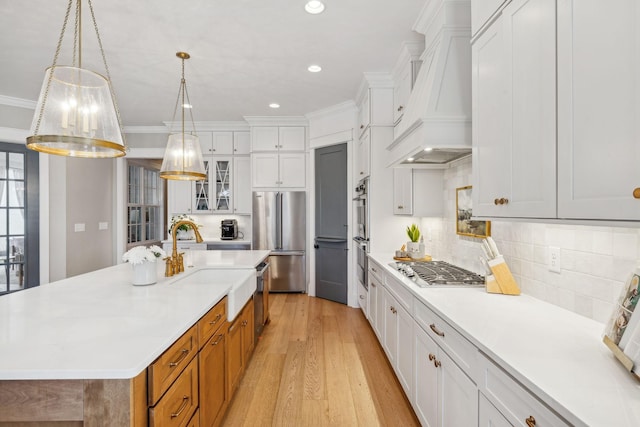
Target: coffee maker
{"type": "Point", "coordinates": [229, 229]}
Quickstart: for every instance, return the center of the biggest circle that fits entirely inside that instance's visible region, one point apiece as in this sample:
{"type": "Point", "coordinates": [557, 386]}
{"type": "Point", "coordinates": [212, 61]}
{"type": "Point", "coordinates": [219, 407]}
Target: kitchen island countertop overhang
{"type": "Point", "coordinates": [99, 326]}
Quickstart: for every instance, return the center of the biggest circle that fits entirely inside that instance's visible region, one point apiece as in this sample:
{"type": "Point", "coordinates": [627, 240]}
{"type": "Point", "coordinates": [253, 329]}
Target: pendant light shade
{"type": "Point", "coordinates": [183, 156]}
{"type": "Point", "coordinates": [76, 114]}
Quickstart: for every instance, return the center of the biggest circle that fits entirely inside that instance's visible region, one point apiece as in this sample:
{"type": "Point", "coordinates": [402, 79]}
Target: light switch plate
{"type": "Point", "coordinates": [554, 259]}
{"type": "Point", "coordinates": [78, 227]}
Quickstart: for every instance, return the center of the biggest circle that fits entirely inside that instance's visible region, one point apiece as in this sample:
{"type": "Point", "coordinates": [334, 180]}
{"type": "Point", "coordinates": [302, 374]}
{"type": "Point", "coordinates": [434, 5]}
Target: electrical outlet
{"type": "Point", "coordinates": [554, 259]}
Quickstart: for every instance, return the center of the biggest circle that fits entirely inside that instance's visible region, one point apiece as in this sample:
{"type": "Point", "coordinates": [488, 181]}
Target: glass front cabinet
{"type": "Point", "coordinates": [214, 193]}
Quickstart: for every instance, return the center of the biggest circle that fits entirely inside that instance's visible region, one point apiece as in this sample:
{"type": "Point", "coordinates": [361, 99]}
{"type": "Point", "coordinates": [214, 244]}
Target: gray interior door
{"type": "Point", "coordinates": [331, 223]}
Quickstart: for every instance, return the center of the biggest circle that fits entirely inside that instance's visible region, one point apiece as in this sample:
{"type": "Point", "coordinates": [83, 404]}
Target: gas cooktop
{"type": "Point", "coordinates": [437, 274]}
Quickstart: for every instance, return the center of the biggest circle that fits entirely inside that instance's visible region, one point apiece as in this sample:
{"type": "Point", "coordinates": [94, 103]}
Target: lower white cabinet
{"type": "Point", "coordinates": [444, 395]}
{"type": "Point", "coordinates": [376, 306]}
{"type": "Point", "coordinates": [363, 299]}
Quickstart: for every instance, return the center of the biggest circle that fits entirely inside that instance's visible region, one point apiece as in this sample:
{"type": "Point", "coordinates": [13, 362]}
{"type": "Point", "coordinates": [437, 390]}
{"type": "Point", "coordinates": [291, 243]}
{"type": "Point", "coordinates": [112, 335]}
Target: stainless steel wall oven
{"type": "Point", "coordinates": [362, 226]}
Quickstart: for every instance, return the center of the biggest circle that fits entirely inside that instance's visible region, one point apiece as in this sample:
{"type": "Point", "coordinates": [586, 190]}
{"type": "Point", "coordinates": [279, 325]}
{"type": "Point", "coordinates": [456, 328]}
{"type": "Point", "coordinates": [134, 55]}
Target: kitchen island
{"type": "Point", "coordinates": [97, 326]}
{"type": "Point", "coordinates": [518, 351]}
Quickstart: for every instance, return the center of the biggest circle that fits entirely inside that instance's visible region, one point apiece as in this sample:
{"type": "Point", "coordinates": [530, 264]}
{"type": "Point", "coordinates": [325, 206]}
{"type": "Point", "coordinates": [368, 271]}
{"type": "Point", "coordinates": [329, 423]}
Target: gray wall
{"type": "Point", "coordinates": [15, 117]}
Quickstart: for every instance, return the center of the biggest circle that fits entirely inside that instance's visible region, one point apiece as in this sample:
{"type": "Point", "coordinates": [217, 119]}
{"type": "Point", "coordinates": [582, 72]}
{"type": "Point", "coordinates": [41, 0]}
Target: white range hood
{"type": "Point", "coordinates": [438, 113]}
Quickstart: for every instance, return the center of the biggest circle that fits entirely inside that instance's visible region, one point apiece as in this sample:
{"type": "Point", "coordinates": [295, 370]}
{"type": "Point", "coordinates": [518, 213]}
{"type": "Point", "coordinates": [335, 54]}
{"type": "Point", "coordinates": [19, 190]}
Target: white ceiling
{"type": "Point", "coordinates": [244, 54]}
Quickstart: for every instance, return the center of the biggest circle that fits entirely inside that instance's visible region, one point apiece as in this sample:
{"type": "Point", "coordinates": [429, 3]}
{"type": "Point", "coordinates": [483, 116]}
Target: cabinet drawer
{"type": "Point", "coordinates": [376, 270]}
{"type": "Point", "coordinates": [180, 402]}
{"type": "Point", "coordinates": [457, 347]}
{"type": "Point", "coordinates": [401, 293]}
{"type": "Point", "coordinates": [168, 366]}
{"type": "Point", "coordinates": [210, 322]}
{"type": "Point", "coordinates": [514, 401]}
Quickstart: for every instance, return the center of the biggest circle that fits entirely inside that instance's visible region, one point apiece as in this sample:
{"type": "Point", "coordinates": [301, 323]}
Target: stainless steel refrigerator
{"type": "Point", "coordinates": [279, 225]}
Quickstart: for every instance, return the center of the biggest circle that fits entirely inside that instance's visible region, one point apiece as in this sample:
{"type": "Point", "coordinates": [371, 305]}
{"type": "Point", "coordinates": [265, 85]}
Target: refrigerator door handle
{"type": "Point", "coordinates": [287, 253]}
{"type": "Point", "coordinates": [278, 220]}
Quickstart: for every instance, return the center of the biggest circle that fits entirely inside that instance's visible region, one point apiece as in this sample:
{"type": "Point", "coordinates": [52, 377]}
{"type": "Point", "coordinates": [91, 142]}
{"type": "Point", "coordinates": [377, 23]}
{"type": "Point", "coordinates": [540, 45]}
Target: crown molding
{"type": "Point", "coordinates": [14, 135]}
{"type": "Point", "coordinates": [145, 129]}
{"type": "Point", "coordinates": [17, 102]}
{"type": "Point", "coordinates": [343, 107]}
{"type": "Point", "coordinates": [277, 120]}
{"type": "Point", "coordinates": [210, 126]}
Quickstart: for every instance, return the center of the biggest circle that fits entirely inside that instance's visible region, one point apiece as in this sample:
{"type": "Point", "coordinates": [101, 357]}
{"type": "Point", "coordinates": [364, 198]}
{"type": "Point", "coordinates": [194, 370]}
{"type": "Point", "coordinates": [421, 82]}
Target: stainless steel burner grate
{"type": "Point", "coordinates": [438, 273]}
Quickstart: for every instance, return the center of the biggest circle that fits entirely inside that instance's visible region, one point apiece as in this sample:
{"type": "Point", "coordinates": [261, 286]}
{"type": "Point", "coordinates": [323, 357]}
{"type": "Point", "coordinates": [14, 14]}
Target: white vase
{"type": "Point", "coordinates": [145, 273]}
{"type": "Point", "coordinates": [413, 250]}
{"type": "Point", "coordinates": [186, 234]}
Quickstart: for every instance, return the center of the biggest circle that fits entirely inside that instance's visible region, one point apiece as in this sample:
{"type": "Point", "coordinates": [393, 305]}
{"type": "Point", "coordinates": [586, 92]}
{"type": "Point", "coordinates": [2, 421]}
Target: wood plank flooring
{"type": "Point", "coordinates": [318, 363]}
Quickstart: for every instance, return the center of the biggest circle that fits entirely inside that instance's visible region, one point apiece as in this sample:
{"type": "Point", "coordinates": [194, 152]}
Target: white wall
{"type": "Point", "coordinates": [595, 260]}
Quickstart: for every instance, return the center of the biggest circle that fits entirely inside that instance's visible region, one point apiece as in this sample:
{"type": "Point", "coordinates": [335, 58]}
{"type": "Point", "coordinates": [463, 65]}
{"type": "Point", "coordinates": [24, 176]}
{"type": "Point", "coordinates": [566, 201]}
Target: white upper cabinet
{"type": "Point", "coordinates": [241, 142]}
{"type": "Point", "coordinates": [274, 138]}
{"type": "Point", "coordinates": [404, 75]}
{"type": "Point", "coordinates": [402, 191]}
{"type": "Point", "coordinates": [179, 197]}
{"type": "Point", "coordinates": [220, 143]}
{"type": "Point", "coordinates": [598, 109]}
{"type": "Point", "coordinates": [363, 156]}
{"type": "Point", "coordinates": [279, 170]}
{"type": "Point", "coordinates": [514, 118]}
{"type": "Point", "coordinates": [375, 101]}
{"type": "Point", "coordinates": [242, 185]}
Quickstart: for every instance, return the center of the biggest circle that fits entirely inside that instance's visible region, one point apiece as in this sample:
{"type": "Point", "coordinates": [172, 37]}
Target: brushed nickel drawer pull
{"type": "Point", "coordinates": [435, 330]}
{"type": "Point", "coordinates": [531, 422]}
{"type": "Point", "coordinates": [400, 207]}
{"type": "Point", "coordinates": [183, 354]}
{"type": "Point", "coordinates": [216, 342]}
{"type": "Point", "coordinates": [218, 317]}
{"type": "Point", "coordinates": [185, 400]}
{"type": "Point", "coordinates": [361, 296]}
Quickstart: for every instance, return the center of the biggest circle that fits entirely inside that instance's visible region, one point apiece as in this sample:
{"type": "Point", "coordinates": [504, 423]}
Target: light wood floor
{"type": "Point", "coordinates": [318, 363]}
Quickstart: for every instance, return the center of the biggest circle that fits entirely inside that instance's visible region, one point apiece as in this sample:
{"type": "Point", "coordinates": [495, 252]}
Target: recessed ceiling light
{"type": "Point", "coordinates": [314, 7]}
{"type": "Point", "coordinates": [274, 105]}
{"type": "Point", "coordinates": [187, 106]}
{"type": "Point", "coordinates": [410, 159]}
{"type": "Point", "coordinates": [314, 68]}
{"type": "Point", "coordinates": [428, 149]}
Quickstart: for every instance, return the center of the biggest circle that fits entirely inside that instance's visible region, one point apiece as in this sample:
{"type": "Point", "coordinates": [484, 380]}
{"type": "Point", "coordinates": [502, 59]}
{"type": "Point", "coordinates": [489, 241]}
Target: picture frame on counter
{"type": "Point", "coordinates": [465, 226]}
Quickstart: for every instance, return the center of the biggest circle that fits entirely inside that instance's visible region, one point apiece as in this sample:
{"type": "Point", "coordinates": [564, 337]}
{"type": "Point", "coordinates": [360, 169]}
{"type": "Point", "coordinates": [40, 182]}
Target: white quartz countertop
{"type": "Point", "coordinates": [555, 353]}
{"type": "Point", "coordinates": [98, 326]}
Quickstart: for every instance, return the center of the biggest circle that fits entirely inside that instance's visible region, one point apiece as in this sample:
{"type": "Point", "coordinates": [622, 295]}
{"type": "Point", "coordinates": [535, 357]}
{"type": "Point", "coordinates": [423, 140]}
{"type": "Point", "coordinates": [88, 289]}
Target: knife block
{"type": "Point", "coordinates": [503, 277]}
{"type": "Point", "coordinates": [490, 284]}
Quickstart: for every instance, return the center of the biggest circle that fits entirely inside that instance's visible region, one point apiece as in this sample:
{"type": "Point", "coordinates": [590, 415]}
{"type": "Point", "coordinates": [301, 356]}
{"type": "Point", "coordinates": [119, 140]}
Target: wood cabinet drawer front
{"type": "Point", "coordinates": [457, 347]}
{"type": "Point", "coordinates": [210, 322]}
{"type": "Point", "coordinates": [180, 402]}
{"type": "Point", "coordinates": [402, 294]}
{"type": "Point", "coordinates": [513, 400]}
{"type": "Point", "coordinates": [168, 366]}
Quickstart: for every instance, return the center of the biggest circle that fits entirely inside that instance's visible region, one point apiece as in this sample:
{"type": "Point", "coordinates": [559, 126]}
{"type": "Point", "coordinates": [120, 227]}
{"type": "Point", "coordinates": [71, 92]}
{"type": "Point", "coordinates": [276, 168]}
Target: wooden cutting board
{"type": "Point", "coordinates": [425, 259]}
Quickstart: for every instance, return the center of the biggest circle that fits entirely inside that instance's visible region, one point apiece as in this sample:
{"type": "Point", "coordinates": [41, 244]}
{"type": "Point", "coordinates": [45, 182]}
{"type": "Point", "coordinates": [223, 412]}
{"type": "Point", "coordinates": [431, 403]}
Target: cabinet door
{"type": "Point", "coordinates": [234, 354]}
{"type": "Point", "coordinates": [426, 379]}
{"type": "Point", "coordinates": [222, 143]}
{"type": "Point", "coordinates": [457, 395]}
{"type": "Point", "coordinates": [178, 197]}
{"type": "Point", "coordinates": [598, 109]}
{"type": "Point", "coordinates": [373, 302]}
{"type": "Point", "coordinates": [390, 342]}
{"type": "Point", "coordinates": [401, 91]}
{"type": "Point", "coordinates": [291, 138]}
{"type": "Point", "coordinates": [223, 173]}
{"type": "Point", "coordinates": [242, 185]}
{"type": "Point", "coordinates": [362, 299]}
{"type": "Point", "coordinates": [264, 138]}
{"type": "Point", "coordinates": [292, 170]}
{"type": "Point", "coordinates": [405, 351]}
{"type": "Point", "coordinates": [241, 143]}
{"type": "Point", "coordinates": [201, 189]}
{"type": "Point", "coordinates": [364, 112]}
{"type": "Point", "coordinates": [489, 416]}
{"type": "Point", "coordinates": [514, 158]}
{"type": "Point", "coordinates": [213, 392]}
{"type": "Point", "coordinates": [265, 169]}
{"type": "Point", "coordinates": [363, 155]}
{"type": "Point", "coordinates": [481, 11]}
{"type": "Point", "coordinates": [403, 191]}
{"type": "Point", "coordinates": [247, 332]}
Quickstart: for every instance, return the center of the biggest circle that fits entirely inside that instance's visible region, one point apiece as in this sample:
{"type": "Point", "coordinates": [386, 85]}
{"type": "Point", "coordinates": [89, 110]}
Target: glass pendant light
{"type": "Point", "coordinates": [183, 157]}
{"type": "Point", "coordinates": [76, 114]}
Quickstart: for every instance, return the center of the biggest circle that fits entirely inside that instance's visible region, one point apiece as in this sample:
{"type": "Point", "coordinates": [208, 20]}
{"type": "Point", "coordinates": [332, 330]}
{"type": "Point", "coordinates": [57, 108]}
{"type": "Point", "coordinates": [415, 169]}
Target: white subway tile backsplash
{"type": "Point", "coordinates": [596, 261]}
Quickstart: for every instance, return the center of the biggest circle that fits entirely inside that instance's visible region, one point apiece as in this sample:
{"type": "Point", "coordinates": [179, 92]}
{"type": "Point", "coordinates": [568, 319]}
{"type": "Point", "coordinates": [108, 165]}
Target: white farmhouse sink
{"type": "Point", "coordinates": [242, 282]}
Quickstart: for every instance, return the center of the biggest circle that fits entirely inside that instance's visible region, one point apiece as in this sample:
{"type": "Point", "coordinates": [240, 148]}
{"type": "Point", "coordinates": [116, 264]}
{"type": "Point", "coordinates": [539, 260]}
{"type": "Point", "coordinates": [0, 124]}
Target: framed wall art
{"type": "Point", "coordinates": [465, 226]}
